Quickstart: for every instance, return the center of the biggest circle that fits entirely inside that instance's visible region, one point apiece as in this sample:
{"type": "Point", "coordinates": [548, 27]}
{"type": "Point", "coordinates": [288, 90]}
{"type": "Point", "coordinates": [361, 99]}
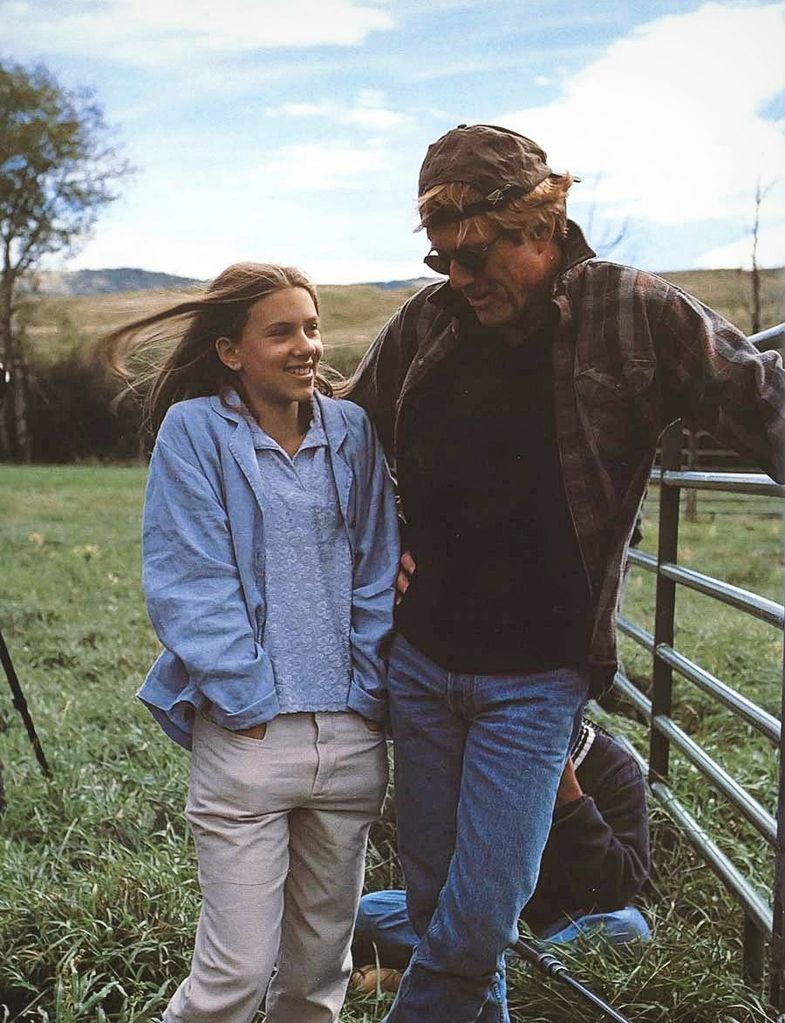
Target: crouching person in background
{"type": "Point", "coordinates": [596, 859]}
{"type": "Point", "coordinates": [270, 555]}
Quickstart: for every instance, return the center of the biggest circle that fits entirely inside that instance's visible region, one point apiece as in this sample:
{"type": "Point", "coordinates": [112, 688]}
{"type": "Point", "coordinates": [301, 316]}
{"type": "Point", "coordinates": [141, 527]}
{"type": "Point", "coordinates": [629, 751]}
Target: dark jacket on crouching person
{"type": "Point", "coordinates": [597, 856]}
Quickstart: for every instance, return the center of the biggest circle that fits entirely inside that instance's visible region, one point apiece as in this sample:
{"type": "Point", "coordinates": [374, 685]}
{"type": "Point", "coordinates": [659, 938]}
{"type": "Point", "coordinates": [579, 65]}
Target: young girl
{"type": "Point", "coordinates": [270, 555]}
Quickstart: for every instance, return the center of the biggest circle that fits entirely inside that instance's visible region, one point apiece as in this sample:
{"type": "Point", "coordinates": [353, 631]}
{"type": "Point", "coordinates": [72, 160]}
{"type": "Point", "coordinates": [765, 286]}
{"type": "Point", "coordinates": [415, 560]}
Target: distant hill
{"type": "Point", "coordinates": [104, 282]}
{"type": "Point", "coordinates": [413, 282]}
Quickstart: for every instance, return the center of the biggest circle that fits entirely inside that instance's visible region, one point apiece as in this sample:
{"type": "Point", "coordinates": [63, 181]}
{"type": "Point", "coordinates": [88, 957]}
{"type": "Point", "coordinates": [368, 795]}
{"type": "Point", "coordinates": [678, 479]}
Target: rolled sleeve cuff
{"type": "Point", "coordinates": [372, 707]}
{"type": "Point", "coordinates": [257, 713]}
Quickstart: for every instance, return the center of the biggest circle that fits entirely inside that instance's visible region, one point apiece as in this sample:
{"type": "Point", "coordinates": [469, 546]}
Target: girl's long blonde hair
{"type": "Point", "coordinates": [170, 355]}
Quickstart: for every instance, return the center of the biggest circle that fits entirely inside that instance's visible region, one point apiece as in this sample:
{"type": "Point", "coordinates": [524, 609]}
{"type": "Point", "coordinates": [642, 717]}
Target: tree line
{"type": "Point", "coordinates": [59, 167]}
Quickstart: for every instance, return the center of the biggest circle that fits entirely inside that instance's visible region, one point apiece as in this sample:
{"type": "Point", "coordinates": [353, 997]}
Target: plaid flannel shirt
{"type": "Point", "coordinates": [632, 353]}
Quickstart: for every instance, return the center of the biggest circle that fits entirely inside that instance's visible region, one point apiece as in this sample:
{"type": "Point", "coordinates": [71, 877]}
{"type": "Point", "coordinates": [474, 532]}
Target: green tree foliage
{"type": "Point", "coordinates": [59, 167]}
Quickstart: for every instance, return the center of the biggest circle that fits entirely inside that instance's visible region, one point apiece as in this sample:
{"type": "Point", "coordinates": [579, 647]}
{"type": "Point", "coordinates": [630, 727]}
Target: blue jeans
{"type": "Point", "coordinates": [617, 927]}
{"type": "Point", "coordinates": [382, 930]}
{"type": "Point", "coordinates": [477, 764]}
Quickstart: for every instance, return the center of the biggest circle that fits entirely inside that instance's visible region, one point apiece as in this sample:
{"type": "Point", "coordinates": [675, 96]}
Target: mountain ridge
{"type": "Point", "coordinates": [109, 280]}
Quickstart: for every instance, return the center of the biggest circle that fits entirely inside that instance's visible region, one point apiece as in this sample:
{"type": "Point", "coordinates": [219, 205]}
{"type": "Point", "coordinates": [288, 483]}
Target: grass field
{"type": "Point", "coordinates": [98, 894]}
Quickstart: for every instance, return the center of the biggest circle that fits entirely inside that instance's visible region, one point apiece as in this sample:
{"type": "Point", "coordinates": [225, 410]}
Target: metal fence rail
{"type": "Point", "coordinates": [764, 922]}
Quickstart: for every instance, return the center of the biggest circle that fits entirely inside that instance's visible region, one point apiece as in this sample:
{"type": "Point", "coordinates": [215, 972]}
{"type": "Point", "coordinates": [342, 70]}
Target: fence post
{"type": "Point", "coordinates": [691, 510]}
{"type": "Point", "coordinates": [754, 954]}
{"type": "Point", "coordinates": [777, 948]}
{"type": "Point", "coordinates": [667, 549]}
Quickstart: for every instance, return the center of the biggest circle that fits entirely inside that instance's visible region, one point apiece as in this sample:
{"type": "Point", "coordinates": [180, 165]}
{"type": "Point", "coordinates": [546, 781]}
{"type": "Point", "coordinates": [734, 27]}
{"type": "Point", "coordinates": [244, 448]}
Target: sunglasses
{"type": "Point", "coordinates": [470, 258]}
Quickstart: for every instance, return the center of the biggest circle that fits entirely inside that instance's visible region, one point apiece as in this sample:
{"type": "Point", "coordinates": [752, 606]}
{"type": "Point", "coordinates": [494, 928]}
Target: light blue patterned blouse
{"type": "Point", "coordinates": [308, 574]}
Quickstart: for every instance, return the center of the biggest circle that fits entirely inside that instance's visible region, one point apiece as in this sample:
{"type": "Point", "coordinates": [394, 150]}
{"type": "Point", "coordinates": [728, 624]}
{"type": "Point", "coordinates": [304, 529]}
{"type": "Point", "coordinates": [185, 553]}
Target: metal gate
{"type": "Point", "coordinates": [764, 919]}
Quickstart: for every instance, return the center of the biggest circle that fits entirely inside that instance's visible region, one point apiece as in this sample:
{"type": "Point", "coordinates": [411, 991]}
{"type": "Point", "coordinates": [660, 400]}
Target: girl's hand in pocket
{"type": "Point", "coordinates": [255, 732]}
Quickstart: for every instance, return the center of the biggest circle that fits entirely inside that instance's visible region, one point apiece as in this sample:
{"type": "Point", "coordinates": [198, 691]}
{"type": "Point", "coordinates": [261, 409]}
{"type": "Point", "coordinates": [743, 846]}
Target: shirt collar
{"type": "Point", "coordinates": [576, 248]}
{"type": "Point", "coordinates": [314, 438]}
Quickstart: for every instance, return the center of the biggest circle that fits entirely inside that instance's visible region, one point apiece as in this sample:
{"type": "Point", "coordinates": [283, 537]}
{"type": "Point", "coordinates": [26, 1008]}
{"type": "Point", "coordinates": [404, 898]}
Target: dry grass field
{"type": "Point", "coordinates": [351, 314]}
{"type": "Point", "coordinates": [54, 326]}
{"type": "Point", "coordinates": [729, 292]}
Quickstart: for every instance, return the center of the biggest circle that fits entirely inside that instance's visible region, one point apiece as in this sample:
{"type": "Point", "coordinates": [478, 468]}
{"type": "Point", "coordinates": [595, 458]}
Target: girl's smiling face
{"type": "Point", "coordinates": [278, 351]}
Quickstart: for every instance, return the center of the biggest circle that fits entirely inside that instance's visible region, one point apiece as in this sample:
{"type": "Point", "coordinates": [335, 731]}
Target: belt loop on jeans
{"type": "Point", "coordinates": [325, 725]}
{"type": "Point", "coordinates": [325, 750]}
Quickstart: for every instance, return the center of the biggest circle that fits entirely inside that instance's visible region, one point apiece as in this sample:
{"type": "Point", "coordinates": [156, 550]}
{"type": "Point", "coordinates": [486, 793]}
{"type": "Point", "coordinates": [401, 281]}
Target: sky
{"type": "Point", "coordinates": [292, 131]}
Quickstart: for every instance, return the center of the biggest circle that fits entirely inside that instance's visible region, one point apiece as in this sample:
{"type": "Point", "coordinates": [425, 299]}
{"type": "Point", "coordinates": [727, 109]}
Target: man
{"type": "Point", "coordinates": [520, 402]}
{"type": "Point", "coordinates": [596, 859]}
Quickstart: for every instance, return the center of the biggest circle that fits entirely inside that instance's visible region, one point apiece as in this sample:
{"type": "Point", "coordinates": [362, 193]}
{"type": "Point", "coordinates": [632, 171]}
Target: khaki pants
{"type": "Point", "coordinates": [281, 825]}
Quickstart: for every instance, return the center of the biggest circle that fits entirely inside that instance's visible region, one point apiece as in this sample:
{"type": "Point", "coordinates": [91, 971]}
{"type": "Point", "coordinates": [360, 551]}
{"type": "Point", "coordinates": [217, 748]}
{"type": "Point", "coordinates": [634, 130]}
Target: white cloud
{"type": "Point", "coordinates": [449, 67]}
{"type": "Point", "coordinates": [156, 32]}
{"type": "Point", "coordinates": [376, 118]}
{"type": "Point", "coordinates": [368, 111]}
{"type": "Point", "coordinates": [338, 271]}
{"type": "Point", "coordinates": [771, 250]}
{"type": "Point", "coordinates": [322, 167]}
{"type": "Point", "coordinates": [667, 125]}
{"type": "Point", "coordinates": [300, 110]}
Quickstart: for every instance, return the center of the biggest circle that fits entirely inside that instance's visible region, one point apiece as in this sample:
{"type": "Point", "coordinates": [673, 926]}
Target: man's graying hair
{"type": "Point", "coordinates": [540, 214]}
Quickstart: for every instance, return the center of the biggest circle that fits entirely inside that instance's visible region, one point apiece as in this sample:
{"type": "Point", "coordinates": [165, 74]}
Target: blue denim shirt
{"type": "Point", "coordinates": [203, 542]}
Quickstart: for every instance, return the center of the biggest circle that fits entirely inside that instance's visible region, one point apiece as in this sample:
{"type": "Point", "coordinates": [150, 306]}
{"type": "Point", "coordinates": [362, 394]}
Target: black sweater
{"type": "Point", "coordinates": [500, 586]}
{"type": "Point", "coordinates": [597, 855]}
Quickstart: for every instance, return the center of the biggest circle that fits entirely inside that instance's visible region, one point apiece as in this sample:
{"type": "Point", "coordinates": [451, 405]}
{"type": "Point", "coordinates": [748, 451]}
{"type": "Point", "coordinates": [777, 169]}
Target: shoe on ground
{"type": "Point", "coordinates": [372, 979]}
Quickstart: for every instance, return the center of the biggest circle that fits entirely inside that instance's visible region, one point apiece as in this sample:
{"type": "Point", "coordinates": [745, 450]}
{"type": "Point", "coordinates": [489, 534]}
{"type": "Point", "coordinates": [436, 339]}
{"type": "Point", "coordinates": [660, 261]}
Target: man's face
{"type": "Point", "coordinates": [512, 278]}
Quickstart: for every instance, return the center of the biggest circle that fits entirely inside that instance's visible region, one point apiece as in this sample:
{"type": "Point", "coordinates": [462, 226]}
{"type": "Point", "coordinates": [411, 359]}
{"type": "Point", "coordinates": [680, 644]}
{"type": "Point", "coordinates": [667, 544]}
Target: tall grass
{"type": "Point", "coordinates": [98, 895]}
